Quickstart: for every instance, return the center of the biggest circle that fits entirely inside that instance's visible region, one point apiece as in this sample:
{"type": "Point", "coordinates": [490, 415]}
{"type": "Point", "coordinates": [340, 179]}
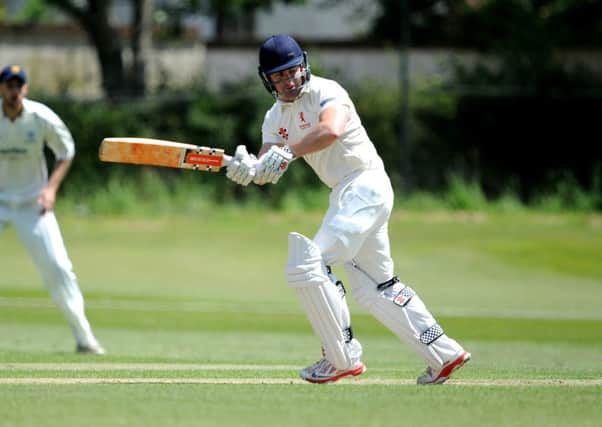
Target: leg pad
{"type": "Point", "coordinates": [324, 302]}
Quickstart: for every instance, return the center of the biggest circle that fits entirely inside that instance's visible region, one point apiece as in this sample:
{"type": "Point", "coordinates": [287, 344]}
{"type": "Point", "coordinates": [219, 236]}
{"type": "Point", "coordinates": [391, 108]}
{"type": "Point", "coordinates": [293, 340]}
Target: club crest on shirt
{"type": "Point", "coordinates": [30, 136]}
{"type": "Point", "coordinates": [283, 133]}
{"type": "Point", "coordinates": [304, 123]}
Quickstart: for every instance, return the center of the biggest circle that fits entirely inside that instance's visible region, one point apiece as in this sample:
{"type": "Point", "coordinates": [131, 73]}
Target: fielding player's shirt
{"type": "Point", "coordinates": [288, 122]}
{"type": "Point", "coordinates": [23, 171]}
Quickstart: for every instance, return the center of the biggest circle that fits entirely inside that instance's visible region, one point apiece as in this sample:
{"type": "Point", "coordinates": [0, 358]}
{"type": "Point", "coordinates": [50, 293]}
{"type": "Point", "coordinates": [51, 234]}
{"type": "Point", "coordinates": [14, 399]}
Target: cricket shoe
{"type": "Point", "coordinates": [439, 377]}
{"type": "Point", "coordinates": [90, 349]}
{"type": "Point", "coordinates": [324, 372]}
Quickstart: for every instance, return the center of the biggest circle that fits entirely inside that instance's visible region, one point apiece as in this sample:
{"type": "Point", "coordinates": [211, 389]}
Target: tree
{"type": "Point", "coordinates": [487, 23]}
{"type": "Point", "coordinates": [121, 79]}
{"type": "Point", "coordinates": [234, 19]}
{"type": "Point", "coordinates": [118, 79]}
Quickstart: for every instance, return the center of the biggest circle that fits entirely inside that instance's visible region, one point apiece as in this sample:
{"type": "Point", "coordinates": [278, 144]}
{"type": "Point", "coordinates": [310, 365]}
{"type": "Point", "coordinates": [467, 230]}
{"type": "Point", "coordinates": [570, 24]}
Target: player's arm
{"type": "Point", "coordinates": [266, 147]}
{"type": "Point", "coordinates": [60, 141]}
{"type": "Point", "coordinates": [331, 125]}
{"type": "Point", "coordinates": [273, 160]}
{"type": "Point", "coordinates": [47, 197]}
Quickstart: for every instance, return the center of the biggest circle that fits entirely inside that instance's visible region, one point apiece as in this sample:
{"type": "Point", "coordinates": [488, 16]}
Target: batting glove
{"type": "Point", "coordinates": [272, 165]}
{"type": "Point", "coordinates": [241, 169]}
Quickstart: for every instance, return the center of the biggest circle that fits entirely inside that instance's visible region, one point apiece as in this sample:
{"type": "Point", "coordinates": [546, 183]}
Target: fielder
{"type": "Point", "coordinates": [27, 195]}
{"type": "Point", "coordinates": [314, 118]}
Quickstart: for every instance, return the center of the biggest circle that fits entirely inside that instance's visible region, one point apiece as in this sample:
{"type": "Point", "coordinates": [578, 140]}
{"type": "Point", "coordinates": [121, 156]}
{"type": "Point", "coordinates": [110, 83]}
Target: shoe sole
{"type": "Point", "coordinates": [355, 372]}
{"type": "Point", "coordinates": [449, 369]}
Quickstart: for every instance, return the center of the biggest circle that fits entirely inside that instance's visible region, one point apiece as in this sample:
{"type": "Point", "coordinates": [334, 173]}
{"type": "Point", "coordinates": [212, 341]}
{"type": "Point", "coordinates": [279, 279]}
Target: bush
{"type": "Point", "coordinates": [451, 135]}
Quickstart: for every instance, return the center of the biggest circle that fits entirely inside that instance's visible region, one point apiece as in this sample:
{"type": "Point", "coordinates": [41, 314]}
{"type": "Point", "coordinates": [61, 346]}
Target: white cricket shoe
{"type": "Point", "coordinates": [91, 349]}
{"type": "Point", "coordinates": [324, 372]}
{"type": "Point", "coordinates": [432, 377]}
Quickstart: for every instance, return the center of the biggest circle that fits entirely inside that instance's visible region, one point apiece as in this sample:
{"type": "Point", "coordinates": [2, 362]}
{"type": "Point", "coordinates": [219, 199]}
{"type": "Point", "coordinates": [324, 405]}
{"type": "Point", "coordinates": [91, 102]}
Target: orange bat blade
{"type": "Point", "coordinates": [157, 152]}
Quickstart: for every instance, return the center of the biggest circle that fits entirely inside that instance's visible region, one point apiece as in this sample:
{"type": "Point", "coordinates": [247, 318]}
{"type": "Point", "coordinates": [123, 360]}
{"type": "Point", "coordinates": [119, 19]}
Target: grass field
{"type": "Point", "coordinates": [202, 330]}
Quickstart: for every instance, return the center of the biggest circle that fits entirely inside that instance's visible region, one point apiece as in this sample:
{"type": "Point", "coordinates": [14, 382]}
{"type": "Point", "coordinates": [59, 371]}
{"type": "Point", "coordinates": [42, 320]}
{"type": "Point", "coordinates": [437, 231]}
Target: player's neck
{"type": "Point", "coordinates": [12, 112]}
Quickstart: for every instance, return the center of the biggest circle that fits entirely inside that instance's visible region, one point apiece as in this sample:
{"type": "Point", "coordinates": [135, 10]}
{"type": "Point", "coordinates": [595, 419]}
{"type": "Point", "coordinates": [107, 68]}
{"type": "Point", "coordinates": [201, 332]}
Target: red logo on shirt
{"type": "Point", "coordinates": [304, 123]}
{"type": "Point", "coordinates": [283, 133]}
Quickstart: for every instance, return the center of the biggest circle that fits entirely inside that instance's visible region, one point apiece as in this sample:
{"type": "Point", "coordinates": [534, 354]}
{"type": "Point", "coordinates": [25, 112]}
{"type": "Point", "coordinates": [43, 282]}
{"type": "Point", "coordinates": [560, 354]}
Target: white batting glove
{"type": "Point", "coordinates": [241, 169]}
{"type": "Point", "coordinates": [272, 165]}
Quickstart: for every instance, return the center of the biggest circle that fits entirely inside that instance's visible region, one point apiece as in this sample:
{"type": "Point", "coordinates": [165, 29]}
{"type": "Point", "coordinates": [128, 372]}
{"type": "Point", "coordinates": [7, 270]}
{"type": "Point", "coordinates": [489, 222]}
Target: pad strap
{"type": "Point", "coordinates": [348, 334]}
{"type": "Point", "coordinates": [387, 284]}
{"type": "Point", "coordinates": [337, 283]}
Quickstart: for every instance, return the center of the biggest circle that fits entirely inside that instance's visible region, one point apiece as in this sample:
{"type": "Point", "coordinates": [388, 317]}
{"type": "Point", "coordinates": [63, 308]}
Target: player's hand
{"type": "Point", "coordinates": [46, 200]}
{"type": "Point", "coordinates": [272, 165]}
{"type": "Point", "coordinates": [241, 169]}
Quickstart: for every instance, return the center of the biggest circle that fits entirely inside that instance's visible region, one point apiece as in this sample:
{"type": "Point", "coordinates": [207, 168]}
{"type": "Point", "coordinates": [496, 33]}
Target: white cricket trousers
{"type": "Point", "coordinates": [41, 236]}
{"type": "Point", "coordinates": [355, 226]}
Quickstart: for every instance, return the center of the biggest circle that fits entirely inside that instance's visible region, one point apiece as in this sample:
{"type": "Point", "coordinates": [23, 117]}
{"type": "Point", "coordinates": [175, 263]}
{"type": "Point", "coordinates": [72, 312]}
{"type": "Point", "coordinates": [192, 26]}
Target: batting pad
{"type": "Point", "coordinates": [324, 305]}
{"type": "Point", "coordinates": [403, 312]}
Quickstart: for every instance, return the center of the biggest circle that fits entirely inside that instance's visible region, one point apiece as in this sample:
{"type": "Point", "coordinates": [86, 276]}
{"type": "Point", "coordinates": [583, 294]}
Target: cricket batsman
{"type": "Point", "coordinates": [315, 119]}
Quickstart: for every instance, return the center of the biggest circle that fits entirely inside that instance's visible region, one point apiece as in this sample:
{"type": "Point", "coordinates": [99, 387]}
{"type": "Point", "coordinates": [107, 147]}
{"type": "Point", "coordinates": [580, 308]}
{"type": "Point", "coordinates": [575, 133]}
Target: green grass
{"type": "Point", "coordinates": [182, 302]}
{"type": "Point", "coordinates": [256, 405]}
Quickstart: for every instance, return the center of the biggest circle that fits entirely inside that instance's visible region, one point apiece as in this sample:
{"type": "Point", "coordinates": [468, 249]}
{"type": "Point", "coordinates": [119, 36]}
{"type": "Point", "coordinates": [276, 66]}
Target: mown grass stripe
{"type": "Point", "coordinates": [213, 307]}
{"type": "Point", "coordinates": [142, 366]}
{"type": "Point", "coordinates": [284, 381]}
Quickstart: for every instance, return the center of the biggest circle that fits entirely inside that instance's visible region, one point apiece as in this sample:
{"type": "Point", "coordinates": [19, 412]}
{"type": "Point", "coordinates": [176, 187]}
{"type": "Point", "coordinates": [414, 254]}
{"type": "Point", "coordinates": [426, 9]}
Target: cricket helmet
{"type": "Point", "coordinates": [278, 53]}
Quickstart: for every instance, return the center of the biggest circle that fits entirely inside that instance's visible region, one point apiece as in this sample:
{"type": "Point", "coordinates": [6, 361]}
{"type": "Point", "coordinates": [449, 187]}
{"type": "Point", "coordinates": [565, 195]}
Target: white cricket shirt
{"type": "Point", "coordinates": [23, 170]}
{"type": "Point", "coordinates": [288, 122]}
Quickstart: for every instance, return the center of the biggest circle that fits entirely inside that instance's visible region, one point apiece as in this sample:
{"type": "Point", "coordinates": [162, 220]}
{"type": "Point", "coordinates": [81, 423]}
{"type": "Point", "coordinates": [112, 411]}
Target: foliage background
{"type": "Point", "coordinates": [521, 123]}
{"type": "Point", "coordinates": [523, 145]}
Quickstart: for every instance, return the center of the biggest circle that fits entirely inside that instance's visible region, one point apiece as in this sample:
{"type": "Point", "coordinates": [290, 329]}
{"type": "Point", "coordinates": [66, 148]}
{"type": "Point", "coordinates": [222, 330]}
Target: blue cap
{"type": "Point", "coordinates": [278, 53]}
{"type": "Point", "coordinates": [13, 72]}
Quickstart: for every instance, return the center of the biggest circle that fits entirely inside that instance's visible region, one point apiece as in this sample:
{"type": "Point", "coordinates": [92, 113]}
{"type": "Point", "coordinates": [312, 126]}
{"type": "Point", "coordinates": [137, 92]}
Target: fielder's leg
{"type": "Point", "coordinates": [42, 238]}
{"type": "Point", "coordinates": [399, 308]}
{"type": "Point", "coordinates": [327, 311]}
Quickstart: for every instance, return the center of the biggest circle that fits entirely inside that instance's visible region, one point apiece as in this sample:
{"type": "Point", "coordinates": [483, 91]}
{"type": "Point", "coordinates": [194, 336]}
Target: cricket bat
{"type": "Point", "coordinates": [157, 152]}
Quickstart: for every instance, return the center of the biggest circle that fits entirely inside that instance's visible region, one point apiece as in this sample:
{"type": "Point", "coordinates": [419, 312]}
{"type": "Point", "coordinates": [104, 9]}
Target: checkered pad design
{"type": "Point", "coordinates": [431, 334]}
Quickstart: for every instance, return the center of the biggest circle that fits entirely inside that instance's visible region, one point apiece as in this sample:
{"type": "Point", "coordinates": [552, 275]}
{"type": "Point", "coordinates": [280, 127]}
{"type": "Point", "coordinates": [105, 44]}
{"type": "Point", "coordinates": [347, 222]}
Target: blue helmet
{"type": "Point", "coordinates": [280, 52]}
